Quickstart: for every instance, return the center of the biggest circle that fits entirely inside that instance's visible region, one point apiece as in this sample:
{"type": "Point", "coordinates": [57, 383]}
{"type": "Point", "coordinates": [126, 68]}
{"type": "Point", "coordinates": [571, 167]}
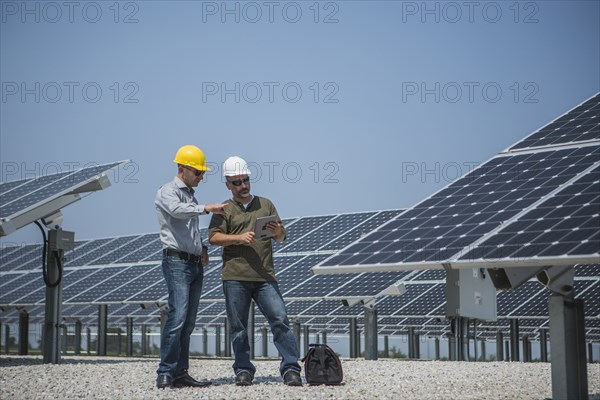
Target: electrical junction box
{"type": "Point", "coordinates": [470, 293]}
{"type": "Point", "coordinates": [61, 240]}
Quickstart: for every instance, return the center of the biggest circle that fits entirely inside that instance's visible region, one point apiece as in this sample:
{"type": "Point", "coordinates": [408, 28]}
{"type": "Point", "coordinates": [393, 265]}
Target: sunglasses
{"type": "Point", "coordinates": [239, 181]}
{"type": "Point", "coordinates": [195, 171]}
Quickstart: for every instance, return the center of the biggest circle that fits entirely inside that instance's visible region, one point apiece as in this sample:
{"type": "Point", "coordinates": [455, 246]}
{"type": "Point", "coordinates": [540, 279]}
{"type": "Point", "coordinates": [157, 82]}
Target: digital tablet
{"type": "Point", "coordinates": [260, 227]}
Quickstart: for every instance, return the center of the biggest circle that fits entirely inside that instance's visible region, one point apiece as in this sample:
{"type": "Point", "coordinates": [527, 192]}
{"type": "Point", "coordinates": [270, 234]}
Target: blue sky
{"type": "Point", "coordinates": [340, 106]}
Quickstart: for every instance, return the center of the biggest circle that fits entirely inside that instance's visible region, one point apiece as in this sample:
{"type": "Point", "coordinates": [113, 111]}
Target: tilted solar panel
{"type": "Point", "coordinates": [17, 199]}
{"type": "Point", "coordinates": [580, 124]}
{"type": "Point", "coordinates": [487, 215]}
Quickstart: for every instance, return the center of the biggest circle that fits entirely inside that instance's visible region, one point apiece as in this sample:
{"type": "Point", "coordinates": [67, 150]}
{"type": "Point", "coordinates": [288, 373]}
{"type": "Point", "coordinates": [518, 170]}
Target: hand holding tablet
{"type": "Point", "coordinates": [260, 227]}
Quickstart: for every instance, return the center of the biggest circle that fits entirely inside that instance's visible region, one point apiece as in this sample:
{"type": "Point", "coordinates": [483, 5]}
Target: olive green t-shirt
{"type": "Point", "coordinates": [245, 262]}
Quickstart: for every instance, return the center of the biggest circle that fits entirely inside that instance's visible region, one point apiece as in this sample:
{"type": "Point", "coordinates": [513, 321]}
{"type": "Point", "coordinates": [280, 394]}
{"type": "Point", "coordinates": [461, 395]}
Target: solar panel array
{"type": "Point", "coordinates": [127, 269]}
{"type": "Point", "coordinates": [529, 202]}
{"type": "Point", "coordinates": [134, 288]}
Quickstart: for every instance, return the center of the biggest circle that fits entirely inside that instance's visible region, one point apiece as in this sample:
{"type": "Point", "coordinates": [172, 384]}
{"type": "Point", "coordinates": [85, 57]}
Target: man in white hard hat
{"type": "Point", "coordinates": [184, 256]}
{"type": "Point", "coordinates": [248, 274]}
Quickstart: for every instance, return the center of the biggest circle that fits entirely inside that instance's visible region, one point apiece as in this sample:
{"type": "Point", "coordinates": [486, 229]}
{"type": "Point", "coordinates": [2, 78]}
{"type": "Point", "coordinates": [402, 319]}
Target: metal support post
{"type": "Point", "coordinates": [526, 349]}
{"type": "Point", "coordinates": [23, 332]}
{"type": "Point", "coordinates": [88, 340]}
{"type": "Point", "coordinates": [324, 337]}
{"type": "Point", "coordinates": [483, 353]}
{"type": "Point", "coordinates": [102, 329]}
{"type": "Point", "coordinates": [499, 346]}
{"type": "Point", "coordinates": [265, 341]}
{"type": "Point", "coordinates": [204, 341]}
{"type": "Point", "coordinates": [218, 341]}
{"type": "Point", "coordinates": [461, 339]}
{"type": "Point", "coordinates": [297, 328]}
{"type": "Point", "coordinates": [119, 338]}
{"type": "Point", "coordinates": [370, 333]}
{"type": "Point", "coordinates": [437, 348]}
{"type": "Point", "coordinates": [514, 340]}
{"type": "Point", "coordinates": [58, 242]}
{"type": "Point", "coordinates": [544, 345]}
{"type": "Point", "coordinates": [465, 335]}
{"type": "Point", "coordinates": [417, 345]}
{"type": "Point", "coordinates": [63, 340]}
{"type": "Point", "coordinates": [144, 339]}
{"type": "Point", "coordinates": [411, 350]}
{"type": "Point", "coordinates": [507, 351]}
{"type": "Point", "coordinates": [567, 346]}
{"type": "Point", "coordinates": [306, 337]}
{"type": "Point", "coordinates": [129, 336]}
{"type": "Point", "coordinates": [386, 346]}
{"type": "Point", "coordinates": [6, 339]}
{"type": "Point", "coordinates": [353, 338]}
{"type": "Point", "coordinates": [77, 341]}
{"type": "Point", "coordinates": [475, 350]}
{"type": "Point", "coordinates": [590, 352]}
{"type": "Point", "coordinates": [452, 348]}
{"type": "Point", "coordinates": [227, 333]}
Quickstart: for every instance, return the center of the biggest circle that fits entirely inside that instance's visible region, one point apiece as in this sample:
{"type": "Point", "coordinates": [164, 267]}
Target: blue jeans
{"type": "Point", "coordinates": [184, 282]}
{"type": "Point", "coordinates": [267, 297]}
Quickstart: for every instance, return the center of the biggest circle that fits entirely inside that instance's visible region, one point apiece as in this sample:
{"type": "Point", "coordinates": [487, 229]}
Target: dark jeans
{"type": "Point", "coordinates": [267, 297]}
{"type": "Point", "coordinates": [184, 281]}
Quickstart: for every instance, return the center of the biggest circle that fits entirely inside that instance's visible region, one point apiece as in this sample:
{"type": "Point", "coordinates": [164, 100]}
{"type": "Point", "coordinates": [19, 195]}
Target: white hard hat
{"type": "Point", "coordinates": [234, 166]}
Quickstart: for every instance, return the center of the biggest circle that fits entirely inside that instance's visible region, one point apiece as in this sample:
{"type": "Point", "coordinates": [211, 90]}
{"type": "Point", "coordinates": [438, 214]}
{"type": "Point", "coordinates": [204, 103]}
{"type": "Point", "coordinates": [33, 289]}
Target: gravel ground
{"type": "Point", "coordinates": [26, 377]}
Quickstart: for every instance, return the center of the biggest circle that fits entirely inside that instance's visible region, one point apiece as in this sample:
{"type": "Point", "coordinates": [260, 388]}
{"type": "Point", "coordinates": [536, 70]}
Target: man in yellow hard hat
{"type": "Point", "coordinates": [248, 273]}
{"type": "Point", "coordinates": [184, 256]}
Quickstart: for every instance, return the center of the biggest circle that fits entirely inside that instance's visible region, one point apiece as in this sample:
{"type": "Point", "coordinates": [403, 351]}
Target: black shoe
{"type": "Point", "coordinates": [187, 380]}
{"type": "Point", "coordinates": [164, 381]}
{"type": "Point", "coordinates": [243, 379]}
{"type": "Point", "coordinates": [292, 378]}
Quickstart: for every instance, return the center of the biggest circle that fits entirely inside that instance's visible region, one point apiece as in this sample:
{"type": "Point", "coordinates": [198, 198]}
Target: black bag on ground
{"type": "Point", "coordinates": [322, 366]}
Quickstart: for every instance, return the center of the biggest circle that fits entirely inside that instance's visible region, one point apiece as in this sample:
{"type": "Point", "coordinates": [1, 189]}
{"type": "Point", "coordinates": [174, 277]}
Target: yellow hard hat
{"type": "Point", "coordinates": [192, 157]}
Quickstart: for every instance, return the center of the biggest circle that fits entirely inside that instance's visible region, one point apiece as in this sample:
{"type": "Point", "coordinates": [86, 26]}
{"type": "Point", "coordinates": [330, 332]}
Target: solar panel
{"type": "Point", "coordinates": [20, 287]}
{"type": "Point", "coordinates": [157, 291]}
{"type": "Point", "coordinates": [123, 249]}
{"type": "Point", "coordinates": [22, 202]}
{"type": "Point", "coordinates": [211, 282]}
{"type": "Point", "coordinates": [360, 230]}
{"type": "Point", "coordinates": [326, 307]}
{"type": "Point", "coordinates": [300, 228]}
{"type": "Point", "coordinates": [295, 272]}
{"type": "Point", "coordinates": [326, 232]}
{"type": "Point", "coordinates": [566, 223]}
{"type": "Point", "coordinates": [92, 277]}
{"type": "Point", "coordinates": [213, 309]}
{"type": "Point", "coordinates": [34, 292]}
{"type": "Point", "coordinates": [118, 277]}
{"type": "Point", "coordinates": [149, 275]}
{"type": "Point", "coordinates": [82, 250]}
{"type": "Point", "coordinates": [580, 124]}
{"type": "Point", "coordinates": [466, 223]}
{"type": "Point", "coordinates": [93, 257]}
{"type": "Point", "coordinates": [16, 258]}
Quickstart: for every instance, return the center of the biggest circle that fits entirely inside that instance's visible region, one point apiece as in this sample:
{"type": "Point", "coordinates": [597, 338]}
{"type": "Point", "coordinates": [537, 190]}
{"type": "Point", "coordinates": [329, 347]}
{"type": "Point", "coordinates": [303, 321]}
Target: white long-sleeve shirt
{"type": "Point", "coordinates": [178, 211]}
